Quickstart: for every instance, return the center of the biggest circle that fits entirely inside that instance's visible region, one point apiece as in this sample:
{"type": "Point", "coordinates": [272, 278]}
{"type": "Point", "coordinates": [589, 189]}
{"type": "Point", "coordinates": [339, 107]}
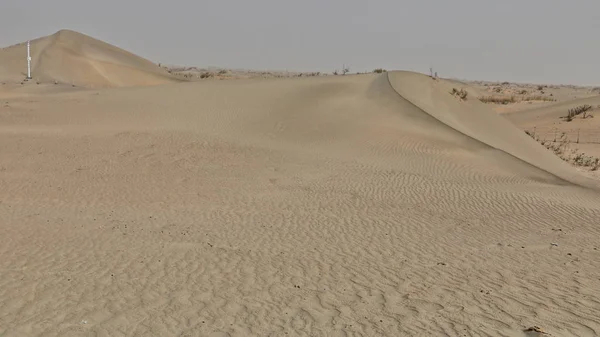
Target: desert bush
{"type": "Point", "coordinates": [582, 109]}
{"type": "Point", "coordinates": [580, 159]}
{"type": "Point", "coordinates": [462, 93]}
{"type": "Point", "coordinates": [207, 75]}
{"type": "Point", "coordinates": [379, 71]}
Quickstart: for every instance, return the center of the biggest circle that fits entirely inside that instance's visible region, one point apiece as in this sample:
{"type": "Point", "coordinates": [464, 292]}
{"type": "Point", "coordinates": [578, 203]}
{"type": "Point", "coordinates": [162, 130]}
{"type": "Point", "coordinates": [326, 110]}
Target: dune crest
{"type": "Point", "coordinates": [74, 58]}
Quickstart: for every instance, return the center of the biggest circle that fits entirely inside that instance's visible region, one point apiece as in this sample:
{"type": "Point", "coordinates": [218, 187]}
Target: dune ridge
{"type": "Point", "coordinates": [373, 205]}
{"type": "Point", "coordinates": [74, 58]}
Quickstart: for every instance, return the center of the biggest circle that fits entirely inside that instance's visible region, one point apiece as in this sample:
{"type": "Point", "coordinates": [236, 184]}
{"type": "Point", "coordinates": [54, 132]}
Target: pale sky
{"type": "Point", "coordinates": [539, 41]}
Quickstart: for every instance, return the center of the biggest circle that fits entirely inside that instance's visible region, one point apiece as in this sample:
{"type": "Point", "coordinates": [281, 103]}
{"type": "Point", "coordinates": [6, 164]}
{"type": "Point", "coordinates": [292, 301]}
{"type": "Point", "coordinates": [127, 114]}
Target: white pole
{"type": "Point", "coordinates": [28, 62]}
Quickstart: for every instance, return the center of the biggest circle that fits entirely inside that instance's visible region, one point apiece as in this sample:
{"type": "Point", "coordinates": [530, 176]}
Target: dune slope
{"type": "Point", "coordinates": [334, 206]}
{"type": "Point", "coordinates": [476, 120]}
{"type": "Point", "coordinates": [74, 58]}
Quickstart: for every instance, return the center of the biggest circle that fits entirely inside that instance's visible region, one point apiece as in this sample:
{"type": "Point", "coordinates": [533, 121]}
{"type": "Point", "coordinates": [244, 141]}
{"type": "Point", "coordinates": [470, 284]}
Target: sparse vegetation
{"type": "Point", "coordinates": [581, 159]}
{"type": "Point", "coordinates": [560, 148]}
{"type": "Point", "coordinates": [538, 98]}
{"type": "Point", "coordinates": [582, 109]}
{"type": "Point", "coordinates": [308, 74]}
{"type": "Point", "coordinates": [514, 99]}
{"type": "Point", "coordinates": [498, 99]}
{"type": "Point", "coordinates": [462, 93]}
{"type": "Point", "coordinates": [379, 71]}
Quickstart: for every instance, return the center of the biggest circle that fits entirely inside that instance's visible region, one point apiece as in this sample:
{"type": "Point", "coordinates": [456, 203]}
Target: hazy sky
{"type": "Point", "coordinates": [554, 41]}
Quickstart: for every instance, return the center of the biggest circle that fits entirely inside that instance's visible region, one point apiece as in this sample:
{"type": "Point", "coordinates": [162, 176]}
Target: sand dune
{"type": "Point", "coordinates": [73, 58]}
{"type": "Point", "coordinates": [475, 119]}
{"type": "Point", "coordinates": [373, 205]}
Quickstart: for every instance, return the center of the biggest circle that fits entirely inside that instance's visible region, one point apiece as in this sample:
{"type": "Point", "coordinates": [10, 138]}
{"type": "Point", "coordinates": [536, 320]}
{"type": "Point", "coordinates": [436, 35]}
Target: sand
{"type": "Point", "coordinates": [72, 58]}
{"type": "Point", "coordinates": [530, 96]}
{"type": "Point", "coordinates": [371, 205]}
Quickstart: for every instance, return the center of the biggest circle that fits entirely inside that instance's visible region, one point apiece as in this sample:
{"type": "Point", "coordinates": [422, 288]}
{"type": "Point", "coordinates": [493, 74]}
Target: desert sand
{"type": "Point", "coordinates": [362, 205]}
{"type": "Point", "coordinates": [68, 57]}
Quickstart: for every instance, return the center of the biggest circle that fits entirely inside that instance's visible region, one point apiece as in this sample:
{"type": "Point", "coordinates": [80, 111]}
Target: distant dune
{"type": "Point", "coordinates": [74, 58]}
{"type": "Point", "coordinates": [366, 205]}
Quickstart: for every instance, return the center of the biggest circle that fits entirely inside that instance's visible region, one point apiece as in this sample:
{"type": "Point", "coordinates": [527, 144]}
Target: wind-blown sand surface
{"type": "Point", "coordinates": [373, 205]}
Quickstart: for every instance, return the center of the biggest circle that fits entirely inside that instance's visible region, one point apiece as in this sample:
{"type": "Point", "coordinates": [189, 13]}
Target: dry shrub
{"type": "Point", "coordinates": [462, 93]}
{"type": "Point", "coordinates": [379, 70]}
{"type": "Point", "coordinates": [582, 109]}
